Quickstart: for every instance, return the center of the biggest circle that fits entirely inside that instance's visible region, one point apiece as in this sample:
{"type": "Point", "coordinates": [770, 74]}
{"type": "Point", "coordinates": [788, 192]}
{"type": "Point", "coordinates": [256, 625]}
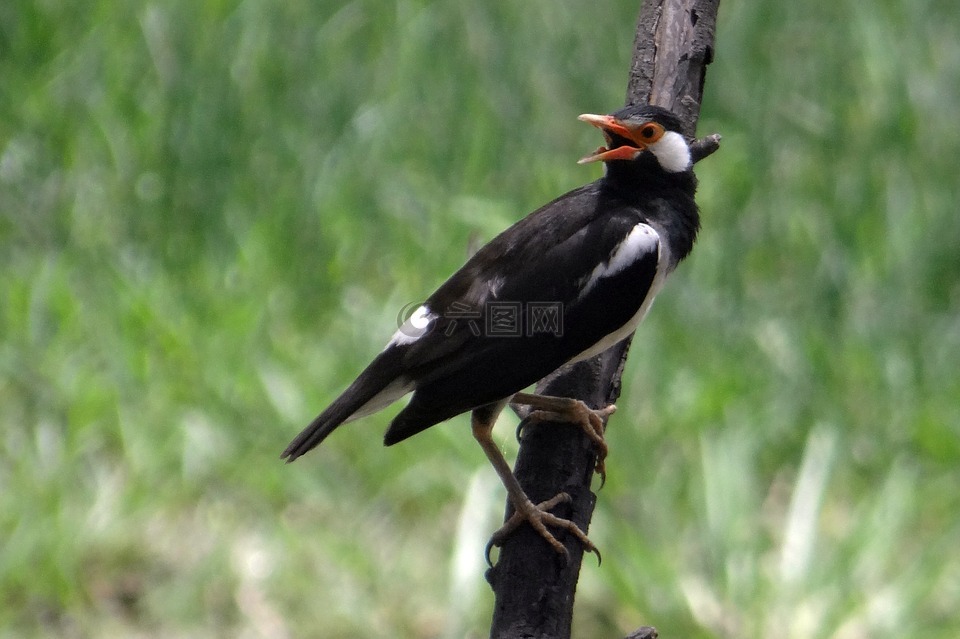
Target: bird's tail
{"type": "Point", "coordinates": [377, 387]}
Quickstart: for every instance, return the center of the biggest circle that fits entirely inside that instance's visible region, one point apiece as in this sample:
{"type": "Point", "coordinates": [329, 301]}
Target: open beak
{"type": "Point", "coordinates": [610, 127]}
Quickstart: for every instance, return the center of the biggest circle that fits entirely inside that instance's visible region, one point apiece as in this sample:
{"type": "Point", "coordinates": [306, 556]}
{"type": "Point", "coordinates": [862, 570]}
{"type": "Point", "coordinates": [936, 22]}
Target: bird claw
{"type": "Point", "coordinates": [538, 517]}
{"type": "Point", "coordinates": [589, 419]}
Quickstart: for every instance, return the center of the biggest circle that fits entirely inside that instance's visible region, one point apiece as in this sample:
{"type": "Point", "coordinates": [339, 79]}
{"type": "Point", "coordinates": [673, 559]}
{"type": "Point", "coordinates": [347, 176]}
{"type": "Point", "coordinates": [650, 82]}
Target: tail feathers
{"type": "Point", "coordinates": [376, 388]}
{"type": "Point", "coordinates": [324, 424]}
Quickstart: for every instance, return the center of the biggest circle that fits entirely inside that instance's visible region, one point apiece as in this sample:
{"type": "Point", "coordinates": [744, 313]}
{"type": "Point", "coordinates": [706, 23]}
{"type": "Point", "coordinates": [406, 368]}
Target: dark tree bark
{"type": "Point", "coordinates": [533, 586]}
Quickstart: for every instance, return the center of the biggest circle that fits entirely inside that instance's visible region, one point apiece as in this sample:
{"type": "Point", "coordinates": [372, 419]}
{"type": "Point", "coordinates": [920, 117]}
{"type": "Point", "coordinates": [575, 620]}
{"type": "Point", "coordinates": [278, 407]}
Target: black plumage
{"type": "Point", "coordinates": [596, 255]}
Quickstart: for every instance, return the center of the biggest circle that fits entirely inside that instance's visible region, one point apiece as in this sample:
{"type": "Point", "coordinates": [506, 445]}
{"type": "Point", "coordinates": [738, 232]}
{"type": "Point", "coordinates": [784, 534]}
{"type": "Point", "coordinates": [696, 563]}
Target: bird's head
{"type": "Point", "coordinates": [636, 130]}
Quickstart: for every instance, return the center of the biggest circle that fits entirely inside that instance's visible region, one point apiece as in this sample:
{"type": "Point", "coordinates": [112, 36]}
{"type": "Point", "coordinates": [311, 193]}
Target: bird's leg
{"type": "Point", "coordinates": [525, 510]}
{"type": "Point", "coordinates": [565, 409]}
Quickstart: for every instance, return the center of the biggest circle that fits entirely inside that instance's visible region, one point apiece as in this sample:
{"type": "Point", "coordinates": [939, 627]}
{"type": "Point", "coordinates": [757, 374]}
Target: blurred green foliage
{"type": "Point", "coordinates": [211, 214]}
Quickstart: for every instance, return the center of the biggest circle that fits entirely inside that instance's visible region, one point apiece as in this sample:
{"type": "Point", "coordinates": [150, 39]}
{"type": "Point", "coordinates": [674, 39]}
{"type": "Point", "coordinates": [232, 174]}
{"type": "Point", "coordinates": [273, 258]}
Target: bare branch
{"type": "Point", "coordinates": [534, 588]}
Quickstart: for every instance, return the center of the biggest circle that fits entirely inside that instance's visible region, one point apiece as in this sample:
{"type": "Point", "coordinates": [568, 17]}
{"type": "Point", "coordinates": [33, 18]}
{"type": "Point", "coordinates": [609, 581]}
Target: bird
{"type": "Point", "coordinates": [561, 285]}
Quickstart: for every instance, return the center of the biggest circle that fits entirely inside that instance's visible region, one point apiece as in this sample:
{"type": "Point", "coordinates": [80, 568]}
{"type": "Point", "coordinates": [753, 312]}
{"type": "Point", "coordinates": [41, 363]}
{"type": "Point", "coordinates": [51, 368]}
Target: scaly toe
{"type": "Point", "coordinates": [538, 517]}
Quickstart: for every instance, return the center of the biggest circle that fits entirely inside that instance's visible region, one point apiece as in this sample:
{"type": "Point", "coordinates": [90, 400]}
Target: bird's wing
{"type": "Point", "coordinates": [571, 272]}
{"type": "Point", "coordinates": [562, 299]}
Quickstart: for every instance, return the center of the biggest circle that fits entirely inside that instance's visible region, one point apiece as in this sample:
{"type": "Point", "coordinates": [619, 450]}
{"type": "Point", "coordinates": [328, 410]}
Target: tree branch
{"type": "Point", "coordinates": [534, 588]}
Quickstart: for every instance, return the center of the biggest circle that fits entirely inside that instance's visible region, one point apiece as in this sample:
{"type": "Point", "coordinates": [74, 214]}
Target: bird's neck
{"type": "Point", "coordinates": [645, 173]}
{"type": "Point", "coordinates": [665, 198]}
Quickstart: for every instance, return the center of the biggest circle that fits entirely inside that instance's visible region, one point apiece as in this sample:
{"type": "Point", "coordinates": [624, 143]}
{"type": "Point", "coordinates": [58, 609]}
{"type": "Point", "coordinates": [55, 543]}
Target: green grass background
{"type": "Point", "coordinates": [212, 212]}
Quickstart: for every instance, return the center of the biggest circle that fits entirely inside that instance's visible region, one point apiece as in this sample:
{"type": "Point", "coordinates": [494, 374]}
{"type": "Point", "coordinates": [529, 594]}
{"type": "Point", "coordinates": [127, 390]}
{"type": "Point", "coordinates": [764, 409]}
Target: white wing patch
{"type": "Point", "coordinates": [415, 327]}
{"type": "Point", "coordinates": [640, 242]}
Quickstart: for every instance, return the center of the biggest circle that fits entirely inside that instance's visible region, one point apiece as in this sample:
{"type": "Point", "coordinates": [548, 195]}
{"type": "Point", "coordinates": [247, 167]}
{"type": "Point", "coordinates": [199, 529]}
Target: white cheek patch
{"type": "Point", "coordinates": [415, 327]}
{"type": "Point", "coordinates": [672, 152]}
{"type": "Point", "coordinates": [641, 241]}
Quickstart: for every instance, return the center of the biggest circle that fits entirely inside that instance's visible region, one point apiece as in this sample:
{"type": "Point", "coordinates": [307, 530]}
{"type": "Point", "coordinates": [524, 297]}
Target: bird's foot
{"type": "Point", "coordinates": [537, 515]}
{"type": "Point", "coordinates": [574, 411]}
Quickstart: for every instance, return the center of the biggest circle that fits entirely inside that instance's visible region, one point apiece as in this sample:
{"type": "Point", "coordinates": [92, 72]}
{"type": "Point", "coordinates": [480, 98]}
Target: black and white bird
{"type": "Point", "coordinates": [561, 285]}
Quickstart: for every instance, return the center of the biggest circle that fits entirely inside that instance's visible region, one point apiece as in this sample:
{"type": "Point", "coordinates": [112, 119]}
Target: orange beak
{"type": "Point", "coordinates": [611, 126]}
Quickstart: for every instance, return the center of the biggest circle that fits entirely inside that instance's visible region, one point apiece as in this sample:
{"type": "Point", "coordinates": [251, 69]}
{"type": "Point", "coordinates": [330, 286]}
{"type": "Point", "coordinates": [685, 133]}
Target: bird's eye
{"type": "Point", "coordinates": [650, 132]}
